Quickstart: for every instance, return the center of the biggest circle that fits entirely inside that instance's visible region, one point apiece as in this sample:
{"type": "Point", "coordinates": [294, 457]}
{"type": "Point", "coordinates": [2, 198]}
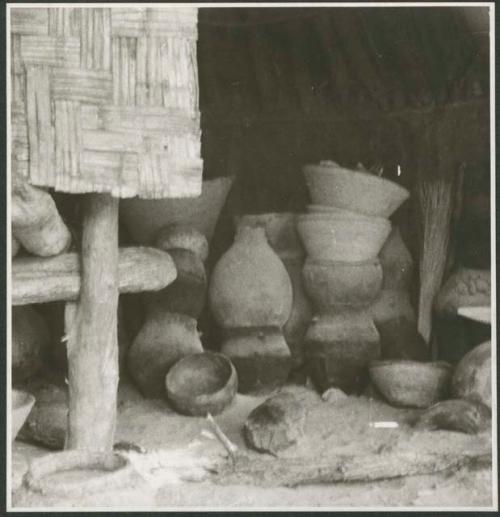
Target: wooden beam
{"type": "Point", "coordinates": [93, 340]}
{"type": "Point", "coordinates": [42, 280]}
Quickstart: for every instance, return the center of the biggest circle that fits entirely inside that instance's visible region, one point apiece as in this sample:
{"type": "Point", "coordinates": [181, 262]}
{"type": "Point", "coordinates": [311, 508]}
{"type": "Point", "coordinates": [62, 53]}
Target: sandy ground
{"type": "Point", "coordinates": [180, 449]}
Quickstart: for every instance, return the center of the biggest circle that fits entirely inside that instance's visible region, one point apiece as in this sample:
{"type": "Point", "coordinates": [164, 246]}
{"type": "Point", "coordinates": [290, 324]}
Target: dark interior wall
{"type": "Point", "coordinates": [280, 88]}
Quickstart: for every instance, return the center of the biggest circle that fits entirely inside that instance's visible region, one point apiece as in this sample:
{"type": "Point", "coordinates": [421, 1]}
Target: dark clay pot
{"type": "Point", "coordinates": [202, 383]}
{"type": "Point", "coordinates": [261, 357]}
{"type": "Point", "coordinates": [187, 294]}
{"type": "Point", "coordinates": [333, 286]}
{"type": "Point", "coordinates": [338, 350]}
{"type": "Point", "coordinates": [163, 340]}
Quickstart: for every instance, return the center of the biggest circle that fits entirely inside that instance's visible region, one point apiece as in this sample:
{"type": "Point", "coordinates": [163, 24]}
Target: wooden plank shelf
{"type": "Point", "coordinates": [41, 280]}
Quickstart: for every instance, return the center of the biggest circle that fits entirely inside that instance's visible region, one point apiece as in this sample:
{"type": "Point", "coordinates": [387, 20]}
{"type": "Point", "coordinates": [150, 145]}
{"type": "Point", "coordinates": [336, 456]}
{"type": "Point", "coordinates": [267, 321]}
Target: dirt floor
{"type": "Point", "coordinates": [182, 453]}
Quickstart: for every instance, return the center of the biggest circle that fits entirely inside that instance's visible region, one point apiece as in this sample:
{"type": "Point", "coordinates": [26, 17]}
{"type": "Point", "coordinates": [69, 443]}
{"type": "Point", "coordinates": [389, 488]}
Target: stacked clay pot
{"type": "Point", "coordinates": [343, 233]}
{"type": "Point", "coordinates": [393, 312]}
{"type": "Point", "coordinates": [250, 296]}
{"type": "Point", "coordinates": [170, 330]}
{"type": "Point", "coordinates": [281, 233]}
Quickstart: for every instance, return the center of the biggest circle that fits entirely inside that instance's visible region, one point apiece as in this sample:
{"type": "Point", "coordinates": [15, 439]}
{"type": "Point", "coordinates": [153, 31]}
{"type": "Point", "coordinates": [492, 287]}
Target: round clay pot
{"type": "Point", "coordinates": [343, 239]}
{"type": "Point", "coordinates": [411, 383]}
{"type": "Point", "coordinates": [186, 294]}
{"type": "Point", "coordinates": [357, 191]}
{"type": "Point", "coordinates": [30, 341]}
{"type": "Point", "coordinates": [179, 236]}
{"type": "Point", "coordinates": [261, 357]}
{"type": "Point", "coordinates": [280, 229]}
{"type": "Point", "coordinates": [396, 261]}
{"type": "Point", "coordinates": [400, 339]}
{"type": "Point", "coordinates": [202, 383]}
{"type": "Point", "coordinates": [22, 403]}
{"type": "Point", "coordinates": [335, 285]}
{"type": "Point", "coordinates": [300, 317]}
{"type": "Point", "coordinates": [464, 288]}
{"type": "Point", "coordinates": [250, 286]}
{"type": "Point", "coordinates": [163, 340]}
{"type": "Point", "coordinates": [144, 218]}
{"type": "Point", "coordinates": [392, 304]}
{"type": "Point", "coordinates": [338, 350]}
{"type": "Point", "coordinates": [472, 377]}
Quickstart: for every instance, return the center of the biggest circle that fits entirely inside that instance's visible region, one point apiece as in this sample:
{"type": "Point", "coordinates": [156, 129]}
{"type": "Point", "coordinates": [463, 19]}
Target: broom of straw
{"type": "Point", "coordinates": [435, 199]}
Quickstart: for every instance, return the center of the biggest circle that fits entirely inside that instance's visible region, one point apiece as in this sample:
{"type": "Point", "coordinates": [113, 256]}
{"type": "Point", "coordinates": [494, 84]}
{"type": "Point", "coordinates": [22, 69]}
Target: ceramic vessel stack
{"type": "Point", "coordinates": [343, 233]}
{"type": "Point", "coordinates": [251, 298]}
{"type": "Point", "coordinates": [281, 233]}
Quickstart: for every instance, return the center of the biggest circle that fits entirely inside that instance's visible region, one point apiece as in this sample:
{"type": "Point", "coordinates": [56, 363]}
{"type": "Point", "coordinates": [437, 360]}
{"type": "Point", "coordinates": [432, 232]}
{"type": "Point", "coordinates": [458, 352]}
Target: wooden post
{"type": "Point", "coordinates": [92, 342]}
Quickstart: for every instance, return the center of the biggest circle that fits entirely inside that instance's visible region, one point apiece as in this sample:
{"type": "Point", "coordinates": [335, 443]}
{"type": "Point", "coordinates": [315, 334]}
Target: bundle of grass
{"type": "Point", "coordinates": [435, 201]}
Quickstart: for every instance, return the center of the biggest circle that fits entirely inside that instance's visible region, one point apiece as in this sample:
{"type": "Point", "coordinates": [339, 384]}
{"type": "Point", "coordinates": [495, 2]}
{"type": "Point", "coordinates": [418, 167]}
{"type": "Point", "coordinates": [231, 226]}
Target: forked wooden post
{"type": "Point", "coordinates": [92, 342]}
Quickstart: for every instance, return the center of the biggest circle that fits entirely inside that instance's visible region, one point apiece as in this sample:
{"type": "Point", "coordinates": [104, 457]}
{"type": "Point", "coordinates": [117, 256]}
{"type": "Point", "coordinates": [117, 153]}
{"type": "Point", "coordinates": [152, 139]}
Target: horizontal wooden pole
{"type": "Point", "coordinates": [41, 280]}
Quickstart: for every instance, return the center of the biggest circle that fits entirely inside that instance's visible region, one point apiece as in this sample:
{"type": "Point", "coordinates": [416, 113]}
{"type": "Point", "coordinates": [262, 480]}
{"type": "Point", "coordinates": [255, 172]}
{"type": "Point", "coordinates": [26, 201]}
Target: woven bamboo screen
{"type": "Point", "coordinates": [106, 100]}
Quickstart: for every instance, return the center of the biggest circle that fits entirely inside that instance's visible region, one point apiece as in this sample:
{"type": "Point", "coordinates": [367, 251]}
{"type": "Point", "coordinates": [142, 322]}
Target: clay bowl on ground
{"type": "Point", "coordinates": [407, 383]}
{"type": "Point", "coordinates": [22, 403]}
{"type": "Point", "coordinates": [353, 190]}
{"type": "Point", "coordinates": [342, 238]}
{"type": "Point", "coordinates": [202, 383]}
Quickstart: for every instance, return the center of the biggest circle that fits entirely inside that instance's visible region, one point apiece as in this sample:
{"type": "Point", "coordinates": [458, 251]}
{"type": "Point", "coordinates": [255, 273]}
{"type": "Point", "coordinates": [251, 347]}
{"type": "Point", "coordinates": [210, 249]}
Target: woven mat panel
{"type": "Point", "coordinates": [106, 100]}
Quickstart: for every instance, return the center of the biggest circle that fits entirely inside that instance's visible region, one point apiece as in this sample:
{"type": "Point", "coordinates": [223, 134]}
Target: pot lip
{"type": "Point", "coordinates": [334, 212]}
{"type": "Point", "coordinates": [337, 170]}
{"type": "Point", "coordinates": [333, 218]}
{"type": "Point", "coordinates": [202, 397]}
{"type": "Point", "coordinates": [394, 363]}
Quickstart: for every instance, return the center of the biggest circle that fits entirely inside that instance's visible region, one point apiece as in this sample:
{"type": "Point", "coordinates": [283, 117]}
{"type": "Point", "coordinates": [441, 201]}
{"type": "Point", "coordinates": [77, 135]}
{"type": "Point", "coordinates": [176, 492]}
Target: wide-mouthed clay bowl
{"type": "Point", "coordinates": [409, 383]}
{"type": "Point", "coordinates": [342, 238]}
{"type": "Point", "coordinates": [22, 403]}
{"type": "Point", "coordinates": [202, 383]}
{"type": "Point", "coordinates": [353, 190]}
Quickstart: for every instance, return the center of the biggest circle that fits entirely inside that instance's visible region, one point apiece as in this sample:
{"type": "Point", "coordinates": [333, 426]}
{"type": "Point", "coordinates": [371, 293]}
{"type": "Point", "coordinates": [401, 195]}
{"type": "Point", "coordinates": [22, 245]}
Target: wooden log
{"type": "Point", "coordinates": [36, 223]}
{"type": "Point", "coordinates": [346, 468]}
{"type": "Point", "coordinates": [93, 341]}
{"type": "Point", "coordinates": [41, 280]}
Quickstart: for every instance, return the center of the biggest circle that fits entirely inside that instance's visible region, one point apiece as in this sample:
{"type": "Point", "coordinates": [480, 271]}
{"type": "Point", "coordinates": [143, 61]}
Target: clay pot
{"type": "Point", "coordinates": [392, 304]}
{"type": "Point", "coordinates": [464, 288]}
{"type": "Point", "coordinates": [357, 191]}
{"type": "Point", "coordinates": [342, 239]}
{"type": "Point", "coordinates": [399, 339]}
{"type": "Point", "coordinates": [472, 377]}
{"type": "Point", "coordinates": [162, 341]}
{"type": "Point", "coordinates": [336, 285]}
{"type": "Point", "coordinates": [261, 357]}
{"type": "Point", "coordinates": [282, 236]}
{"type": "Point", "coordinates": [22, 403]}
{"type": "Point", "coordinates": [396, 261]}
{"type": "Point", "coordinates": [250, 286]}
{"type": "Point", "coordinates": [338, 350]}
{"type": "Point", "coordinates": [144, 218]}
{"type": "Point", "coordinates": [300, 317]}
{"type": "Point", "coordinates": [202, 383]}
{"type": "Point", "coordinates": [411, 383]}
{"type": "Point", "coordinates": [186, 294]}
{"type": "Point", "coordinates": [179, 236]}
{"type": "Point", "coordinates": [281, 232]}
{"type": "Point", "coordinates": [30, 341]}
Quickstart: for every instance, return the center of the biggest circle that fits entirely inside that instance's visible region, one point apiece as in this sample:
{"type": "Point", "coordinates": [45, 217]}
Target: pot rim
{"type": "Point", "coordinates": [333, 218]}
{"type": "Point", "coordinates": [429, 365]}
{"type": "Point", "coordinates": [324, 169]}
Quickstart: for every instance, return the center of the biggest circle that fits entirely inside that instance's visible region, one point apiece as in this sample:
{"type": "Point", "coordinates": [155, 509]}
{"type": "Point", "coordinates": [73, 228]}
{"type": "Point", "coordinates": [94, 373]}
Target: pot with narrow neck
{"type": "Point", "coordinates": [251, 289]}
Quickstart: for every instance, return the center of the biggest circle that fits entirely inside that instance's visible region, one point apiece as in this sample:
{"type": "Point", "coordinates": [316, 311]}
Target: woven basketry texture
{"type": "Point", "coordinates": [106, 100]}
